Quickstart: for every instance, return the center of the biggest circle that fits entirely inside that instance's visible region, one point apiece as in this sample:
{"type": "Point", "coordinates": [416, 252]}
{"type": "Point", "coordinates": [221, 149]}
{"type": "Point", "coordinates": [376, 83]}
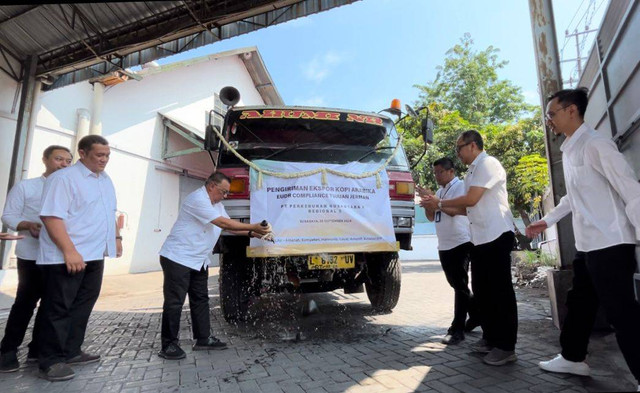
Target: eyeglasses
{"type": "Point", "coordinates": [223, 191]}
{"type": "Point", "coordinates": [459, 147]}
{"type": "Point", "coordinates": [550, 115]}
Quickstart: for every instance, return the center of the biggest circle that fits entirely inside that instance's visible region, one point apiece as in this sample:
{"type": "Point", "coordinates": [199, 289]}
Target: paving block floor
{"type": "Point", "coordinates": [345, 347]}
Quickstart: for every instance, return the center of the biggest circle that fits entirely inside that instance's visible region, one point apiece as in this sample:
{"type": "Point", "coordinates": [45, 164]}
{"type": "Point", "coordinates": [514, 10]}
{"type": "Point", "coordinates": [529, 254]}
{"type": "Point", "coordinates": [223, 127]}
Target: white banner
{"type": "Point", "coordinates": [345, 215]}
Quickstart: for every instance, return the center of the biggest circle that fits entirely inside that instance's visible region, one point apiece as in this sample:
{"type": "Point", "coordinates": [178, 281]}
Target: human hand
{"type": "Point", "coordinates": [118, 248]}
{"type": "Point", "coordinates": [423, 192]}
{"type": "Point", "coordinates": [535, 228]}
{"type": "Point", "coordinates": [75, 263]}
{"type": "Point", "coordinates": [34, 229]}
{"type": "Point", "coordinates": [262, 228]}
{"type": "Point", "coordinates": [431, 202]}
{"type": "Point", "coordinates": [8, 236]}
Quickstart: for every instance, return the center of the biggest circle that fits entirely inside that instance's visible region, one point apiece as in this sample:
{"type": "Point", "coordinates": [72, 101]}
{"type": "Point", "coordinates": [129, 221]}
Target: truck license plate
{"type": "Point", "coordinates": [332, 261]}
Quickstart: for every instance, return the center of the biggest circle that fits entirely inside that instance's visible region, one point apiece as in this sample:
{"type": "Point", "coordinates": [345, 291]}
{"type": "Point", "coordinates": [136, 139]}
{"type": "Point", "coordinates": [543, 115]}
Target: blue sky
{"type": "Point", "coordinates": [360, 56]}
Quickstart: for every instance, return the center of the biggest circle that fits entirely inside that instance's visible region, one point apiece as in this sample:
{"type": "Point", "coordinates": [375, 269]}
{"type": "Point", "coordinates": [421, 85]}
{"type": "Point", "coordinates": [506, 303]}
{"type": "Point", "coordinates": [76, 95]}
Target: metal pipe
{"type": "Point", "coordinates": [96, 109]}
{"type": "Point", "coordinates": [82, 129]}
{"type": "Point", "coordinates": [545, 46]}
{"type": "Point", "coordinates": [31, 127]}
{"type": "Point", "coordinates": [20, 141]}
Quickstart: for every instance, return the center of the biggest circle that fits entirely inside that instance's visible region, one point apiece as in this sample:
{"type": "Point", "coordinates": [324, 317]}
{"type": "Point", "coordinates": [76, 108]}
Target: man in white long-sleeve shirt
{"type": "Point", "coordinates": [21, 213]}
{"type": "Point", "coordinates": [603, 194]}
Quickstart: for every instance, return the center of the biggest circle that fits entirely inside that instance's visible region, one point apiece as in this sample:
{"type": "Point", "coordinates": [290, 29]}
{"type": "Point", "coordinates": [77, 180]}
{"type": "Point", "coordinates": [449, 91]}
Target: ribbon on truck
{"type": "Point", "coordinates": [309, 216]}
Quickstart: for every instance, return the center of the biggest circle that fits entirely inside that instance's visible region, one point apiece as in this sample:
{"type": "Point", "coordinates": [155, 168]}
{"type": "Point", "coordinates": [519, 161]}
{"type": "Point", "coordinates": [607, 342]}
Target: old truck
{"type": "Point", "coordinates": [306, 139]}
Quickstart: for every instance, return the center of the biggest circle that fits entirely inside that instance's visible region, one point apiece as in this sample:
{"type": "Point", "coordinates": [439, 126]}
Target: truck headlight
{"type": "Point", "coordinates": [404, 222]}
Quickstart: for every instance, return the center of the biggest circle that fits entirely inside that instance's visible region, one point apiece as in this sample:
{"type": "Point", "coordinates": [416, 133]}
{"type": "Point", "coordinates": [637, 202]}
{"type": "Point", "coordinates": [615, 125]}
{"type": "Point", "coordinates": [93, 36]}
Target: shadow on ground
{"type": "Point", "coordinates": [345, 346]}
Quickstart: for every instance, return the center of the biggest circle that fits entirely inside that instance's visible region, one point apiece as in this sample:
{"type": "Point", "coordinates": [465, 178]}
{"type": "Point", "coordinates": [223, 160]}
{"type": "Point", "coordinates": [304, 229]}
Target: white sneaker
{"type": "Point", "coordinates": [561, 365]}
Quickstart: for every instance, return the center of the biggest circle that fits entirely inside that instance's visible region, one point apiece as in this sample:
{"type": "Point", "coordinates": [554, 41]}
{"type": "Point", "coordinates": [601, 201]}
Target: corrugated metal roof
{"type": "Point", "coordinates": [79, 41]}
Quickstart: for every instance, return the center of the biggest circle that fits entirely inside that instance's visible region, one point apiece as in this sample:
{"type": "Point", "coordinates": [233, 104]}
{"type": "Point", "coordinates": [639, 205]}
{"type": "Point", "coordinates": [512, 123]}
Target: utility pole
{"type": "Point", "coordinates": [576, 34]}
{"type": "Point", "coordinates": [550, 81]}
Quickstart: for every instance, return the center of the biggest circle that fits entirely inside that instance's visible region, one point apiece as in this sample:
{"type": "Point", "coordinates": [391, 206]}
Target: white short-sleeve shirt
{"type": "Point", "coordinates": [23, 204]}
{"type": "Point", "coordinates": [193, 235]}
{"type": "Point", "coordinates": [491, 216]}
{"type": "Point", "coordinates": [86, 202]}
{"type": "Point", "coordinates": [452, 231]}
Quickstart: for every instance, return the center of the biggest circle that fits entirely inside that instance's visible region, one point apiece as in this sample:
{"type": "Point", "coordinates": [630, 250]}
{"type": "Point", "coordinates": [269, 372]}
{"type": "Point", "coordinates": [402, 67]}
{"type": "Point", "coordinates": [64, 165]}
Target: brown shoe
{"type": "Point", "coordinates": [83, 358]}
{"type": "Point", "coordinates": [57, 372]}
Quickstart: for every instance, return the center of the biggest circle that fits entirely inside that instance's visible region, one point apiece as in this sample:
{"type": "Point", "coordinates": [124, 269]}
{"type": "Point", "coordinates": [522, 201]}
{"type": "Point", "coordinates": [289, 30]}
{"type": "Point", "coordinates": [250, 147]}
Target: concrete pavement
{"type": "Point", "coordinates": [343, 348]}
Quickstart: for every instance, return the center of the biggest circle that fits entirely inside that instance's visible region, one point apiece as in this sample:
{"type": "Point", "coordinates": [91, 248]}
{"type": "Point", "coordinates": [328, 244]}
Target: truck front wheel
{"type": "Point", "coordinates": [383, 287]}
{"type": "Point", "coordinates": [234, 286]}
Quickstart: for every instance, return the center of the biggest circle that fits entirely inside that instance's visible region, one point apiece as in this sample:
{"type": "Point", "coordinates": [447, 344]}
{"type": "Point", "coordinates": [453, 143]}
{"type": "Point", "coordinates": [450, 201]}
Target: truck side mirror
{"type": "Point", "coordinates": [211, 140]}
{"type": "Point", "coordinates": [426, 129]}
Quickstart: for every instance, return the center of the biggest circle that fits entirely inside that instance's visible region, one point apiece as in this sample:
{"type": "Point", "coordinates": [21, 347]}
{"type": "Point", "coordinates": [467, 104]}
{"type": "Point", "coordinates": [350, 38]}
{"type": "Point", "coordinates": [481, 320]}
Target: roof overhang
{"type": "Point", "coordinates": [79, 41]}
{"type": "Point", "coordinates": [250, 57]}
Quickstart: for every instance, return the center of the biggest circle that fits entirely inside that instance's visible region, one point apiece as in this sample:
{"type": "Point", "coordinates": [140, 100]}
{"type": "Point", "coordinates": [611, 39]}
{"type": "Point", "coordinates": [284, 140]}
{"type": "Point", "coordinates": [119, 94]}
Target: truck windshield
{"type": "Point", "coordinates": [345, 137]}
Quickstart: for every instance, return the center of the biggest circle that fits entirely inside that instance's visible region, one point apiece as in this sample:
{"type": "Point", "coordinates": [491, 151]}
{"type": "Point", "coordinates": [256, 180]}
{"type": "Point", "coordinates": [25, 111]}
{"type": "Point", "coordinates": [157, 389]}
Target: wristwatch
{"type": "Point", "coordinates": [118, 237]}
{"type": "Point", "coordinates": [440, 204]}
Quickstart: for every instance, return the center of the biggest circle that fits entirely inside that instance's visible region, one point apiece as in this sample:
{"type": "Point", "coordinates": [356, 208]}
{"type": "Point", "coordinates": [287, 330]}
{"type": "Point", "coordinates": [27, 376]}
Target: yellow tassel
{"type": "Point", "coordinates": [378, 180]}
{"type": "Point", "coordinates": [259, 180]}
{"type": "Point", "coordinates": [324, 177]}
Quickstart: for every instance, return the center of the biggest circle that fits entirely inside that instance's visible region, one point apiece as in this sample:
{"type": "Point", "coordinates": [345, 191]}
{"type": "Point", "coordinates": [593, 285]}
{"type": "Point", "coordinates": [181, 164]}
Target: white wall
{"type": "Point", "coordinates": [146, 196]}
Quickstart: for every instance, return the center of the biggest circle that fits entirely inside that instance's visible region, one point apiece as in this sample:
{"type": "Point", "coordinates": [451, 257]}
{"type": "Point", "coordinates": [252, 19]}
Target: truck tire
{"type": "Point", "coordinates": [383, 286]}
{"type": "Point", "coordinates": [234, 286]}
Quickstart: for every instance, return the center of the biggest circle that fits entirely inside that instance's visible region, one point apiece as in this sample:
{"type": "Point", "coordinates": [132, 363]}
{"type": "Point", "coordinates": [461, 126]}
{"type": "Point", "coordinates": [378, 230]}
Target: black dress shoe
{"type": "Point", "coordinates": [9, 362]}
{"type": "Point", "coordinates": [172, 352]}
{"type": "Point", "coordinates": [206, 344]}
{"type": "Point", "coordinates": [471, 324]}
{"type": "Point", "coordinates": [453, 338]}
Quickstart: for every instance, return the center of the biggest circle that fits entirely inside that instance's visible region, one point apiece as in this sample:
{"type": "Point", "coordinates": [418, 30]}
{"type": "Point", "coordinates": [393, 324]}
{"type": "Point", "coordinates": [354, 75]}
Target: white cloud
{"type": "Point", "coordinates": [321, 65]}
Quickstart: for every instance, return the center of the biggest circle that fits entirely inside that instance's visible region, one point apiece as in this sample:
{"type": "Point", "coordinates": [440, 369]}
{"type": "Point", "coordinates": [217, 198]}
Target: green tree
{"type": "Point", "coordinates": [467, 94]}
{"type": "Point", "coordinates": [531, 176]}
{"type": "Point", "coordinates": [468, 83]}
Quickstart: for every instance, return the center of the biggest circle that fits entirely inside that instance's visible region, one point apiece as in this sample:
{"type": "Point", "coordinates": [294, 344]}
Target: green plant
{"type": "Point", "coordinates": [539, 258]}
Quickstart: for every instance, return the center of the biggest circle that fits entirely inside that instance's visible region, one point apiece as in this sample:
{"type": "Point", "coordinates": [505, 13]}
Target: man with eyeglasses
{"type": "Point", "coordinates": [603, 194]}
{"type": "Point", "coordinates": [486, 205]}
{"type": "Point", "coordinates": [184, 258]}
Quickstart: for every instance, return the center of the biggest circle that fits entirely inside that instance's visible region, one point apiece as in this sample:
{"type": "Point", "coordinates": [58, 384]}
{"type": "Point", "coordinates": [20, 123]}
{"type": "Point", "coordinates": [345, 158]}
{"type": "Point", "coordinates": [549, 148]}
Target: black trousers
{"type": "Point", "coordinates": [455, 264]}
{"type": "Point", "coordinates": [67, 302]}
{"type": "Point", "coordinates": [27, 296]}
{"type": "Point", "coordinates": [179, 281]}
{"type": "Point", "coordinates": [493, 291]}
{"type": "Point", "coordinates": [603, 277]}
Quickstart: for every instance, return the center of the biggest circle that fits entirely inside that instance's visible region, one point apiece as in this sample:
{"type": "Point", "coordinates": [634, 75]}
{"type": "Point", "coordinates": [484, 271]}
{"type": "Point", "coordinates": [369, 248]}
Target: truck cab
{"type": "Point", "coordinates": [300, 134]}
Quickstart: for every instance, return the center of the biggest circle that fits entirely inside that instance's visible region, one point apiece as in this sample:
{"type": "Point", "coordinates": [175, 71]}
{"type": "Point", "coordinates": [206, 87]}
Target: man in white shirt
{"type": "Point", "coordinates": [486, 205]}
{"type": "Point", "coordinates": [78, 213]}
{"type": "Point", "coordinates": [454, 245]}
{"type": "Point", "coordinates": [21, 213]}
{"type": "Point", "coordinates": [603, 194]}
{"type": "Point", "coordinates": [184, 258]}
